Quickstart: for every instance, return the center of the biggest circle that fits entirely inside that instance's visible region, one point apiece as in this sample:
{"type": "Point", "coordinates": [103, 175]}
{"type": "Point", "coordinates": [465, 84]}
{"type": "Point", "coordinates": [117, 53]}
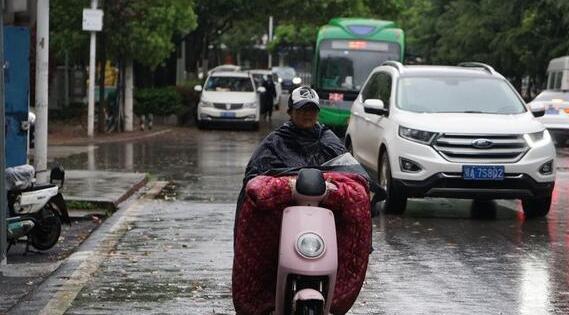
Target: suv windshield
{"type": "Point", "coordinates": [229, 84]}
{"type": "Point", "coordinates": [458, 95]}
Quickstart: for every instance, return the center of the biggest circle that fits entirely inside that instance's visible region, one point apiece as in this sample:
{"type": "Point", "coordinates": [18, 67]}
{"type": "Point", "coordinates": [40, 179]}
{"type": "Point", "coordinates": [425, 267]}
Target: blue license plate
{"type": "Point", "coordinates": [480, 172]}
{"type": "Point", "coordinates": [228, 114]}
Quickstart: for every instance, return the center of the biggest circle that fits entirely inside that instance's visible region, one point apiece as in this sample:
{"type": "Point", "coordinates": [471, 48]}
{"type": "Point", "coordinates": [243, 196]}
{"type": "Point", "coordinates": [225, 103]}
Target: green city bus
{"type": "Point", "coordinates": [347, 49]}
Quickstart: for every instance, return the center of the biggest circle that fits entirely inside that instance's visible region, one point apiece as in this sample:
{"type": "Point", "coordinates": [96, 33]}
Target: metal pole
{"type": "Point", "coordinates": [128, 96]}
{"type": "Point", "coordinates": [270, 40]}
{"type": "Point", "coordinates": [91, 93]}
{"type": "Point", "coordinates": [3, 223]}
{"type": "Point", "coordinates": [42, 77]}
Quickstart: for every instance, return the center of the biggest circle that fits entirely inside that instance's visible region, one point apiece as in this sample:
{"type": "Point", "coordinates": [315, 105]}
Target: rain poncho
{"type": "Point", "coordinates": [292, 147]}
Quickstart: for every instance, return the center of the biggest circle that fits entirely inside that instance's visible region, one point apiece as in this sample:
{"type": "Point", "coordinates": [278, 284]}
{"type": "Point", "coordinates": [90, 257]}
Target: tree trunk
{"type": "Point", "coordinates": [128, 96]}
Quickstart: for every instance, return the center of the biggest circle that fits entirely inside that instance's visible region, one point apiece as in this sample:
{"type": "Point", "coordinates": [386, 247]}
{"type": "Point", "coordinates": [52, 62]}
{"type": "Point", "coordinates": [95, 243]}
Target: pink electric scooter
{"type": "Point", "coordinates": [308, 257]}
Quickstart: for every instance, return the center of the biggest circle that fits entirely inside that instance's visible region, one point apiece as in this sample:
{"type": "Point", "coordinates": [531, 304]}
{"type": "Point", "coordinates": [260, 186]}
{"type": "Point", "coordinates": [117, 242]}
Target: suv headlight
{"type": "Point", "coordinates": [310, 245]}
{"type": "Point", "coordinates": [205, 104]}
{"type": "Point", "coordinates": [424, 137]}
{"type": "Point", "coordinates": [250, 105]}
{"type": "Point", "coordinates": [537, 139]}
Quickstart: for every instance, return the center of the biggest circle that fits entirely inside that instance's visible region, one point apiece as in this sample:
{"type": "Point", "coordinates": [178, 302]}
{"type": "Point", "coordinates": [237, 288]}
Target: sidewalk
{"type": "Point", "coordinates": [90, 195]}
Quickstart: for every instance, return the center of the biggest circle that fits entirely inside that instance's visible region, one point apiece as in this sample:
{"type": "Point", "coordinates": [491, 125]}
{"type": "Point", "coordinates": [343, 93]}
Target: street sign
{"type": "Point", "coordinates": [92, 20]}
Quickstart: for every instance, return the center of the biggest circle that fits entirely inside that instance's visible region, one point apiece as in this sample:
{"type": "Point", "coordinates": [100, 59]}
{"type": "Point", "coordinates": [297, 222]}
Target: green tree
{"type": "Point", "coordinates": [65, 31]}
{"type": "Point", "coordinates": [133, 30]}
{"type": "Point", "coordinates": [517, 37]}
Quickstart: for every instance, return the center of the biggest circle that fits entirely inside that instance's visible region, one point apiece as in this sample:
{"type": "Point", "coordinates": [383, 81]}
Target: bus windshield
{"type": "Point", "coordinates": [346, 64]}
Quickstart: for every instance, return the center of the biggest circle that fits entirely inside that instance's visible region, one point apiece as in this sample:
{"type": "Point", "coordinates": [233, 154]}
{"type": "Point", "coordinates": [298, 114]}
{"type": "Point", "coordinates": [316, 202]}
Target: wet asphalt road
{"type": "Point", "coordinates": [441, 257]}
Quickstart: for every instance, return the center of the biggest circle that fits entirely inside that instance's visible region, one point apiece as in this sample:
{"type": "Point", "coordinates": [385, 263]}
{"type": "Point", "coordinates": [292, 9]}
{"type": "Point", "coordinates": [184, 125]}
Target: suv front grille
{"type": "Point", "coordinates": [225, 107]}
{"type": "Point", "coordinates": [490, 149]}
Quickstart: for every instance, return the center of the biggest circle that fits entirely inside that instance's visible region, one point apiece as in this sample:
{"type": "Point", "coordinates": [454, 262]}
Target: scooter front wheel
{"type": "Point", "coordinates": [311, 307]}
{"type": "Point", "coordinates": [47, 230]}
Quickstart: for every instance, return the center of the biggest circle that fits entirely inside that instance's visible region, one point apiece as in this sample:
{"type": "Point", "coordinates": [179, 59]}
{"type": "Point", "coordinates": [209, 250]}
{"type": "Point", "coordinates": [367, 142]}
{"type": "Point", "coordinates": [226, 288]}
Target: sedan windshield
{"type": "Point", "coordinates": [229, 84]}
{"type": "Point", "coordinates": [458, 95]}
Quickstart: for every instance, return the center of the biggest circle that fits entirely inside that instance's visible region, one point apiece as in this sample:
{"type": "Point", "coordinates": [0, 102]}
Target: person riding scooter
{"type": "Point", "coordinates": [300, 143]}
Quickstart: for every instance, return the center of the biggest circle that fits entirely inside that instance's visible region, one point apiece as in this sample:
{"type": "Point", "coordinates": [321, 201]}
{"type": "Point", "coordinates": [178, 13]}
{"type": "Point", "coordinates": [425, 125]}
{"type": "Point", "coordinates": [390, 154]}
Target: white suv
{"type": "Point", "coordinates": [228, 97]}
{"type": "Point", "coordinates": [453, 132]}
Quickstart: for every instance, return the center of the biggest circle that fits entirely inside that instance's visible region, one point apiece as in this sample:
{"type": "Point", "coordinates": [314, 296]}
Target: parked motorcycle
{"type": "Point", "coordinates": [35, 210]}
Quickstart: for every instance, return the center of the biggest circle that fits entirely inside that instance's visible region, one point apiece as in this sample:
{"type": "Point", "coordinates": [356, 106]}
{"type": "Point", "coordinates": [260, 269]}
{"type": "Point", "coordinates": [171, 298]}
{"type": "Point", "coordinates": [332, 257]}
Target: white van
{"type": "Point", "coordinates": [558, 74]}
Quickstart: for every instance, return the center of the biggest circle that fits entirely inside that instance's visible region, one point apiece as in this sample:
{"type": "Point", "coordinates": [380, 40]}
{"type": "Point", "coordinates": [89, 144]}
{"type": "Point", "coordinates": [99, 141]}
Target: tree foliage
{"type": "Point", "coordinates": [65, 29]}
{"type": "Point", "coordinates": [517, 37]}
{"type": "Point", "coordinates": [138, 29]}
{"type": "Point", "coordinates": [298, 21]}
{"type": "Point", "coordinates": [144, 29]}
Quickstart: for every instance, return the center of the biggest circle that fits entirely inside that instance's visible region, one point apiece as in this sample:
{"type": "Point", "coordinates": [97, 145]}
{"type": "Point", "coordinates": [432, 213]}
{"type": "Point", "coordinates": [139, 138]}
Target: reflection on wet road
{"type": "Point", "coordinates": [206, 165]}
{"type": "Point", "coordinates": [458, 257]}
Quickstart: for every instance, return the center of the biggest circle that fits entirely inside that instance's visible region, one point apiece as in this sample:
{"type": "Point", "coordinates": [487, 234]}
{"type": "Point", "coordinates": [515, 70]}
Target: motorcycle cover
{"type": "Point", "coordinates": [258, 229]}
{"type": "Point", "coordinates": [19, 177]}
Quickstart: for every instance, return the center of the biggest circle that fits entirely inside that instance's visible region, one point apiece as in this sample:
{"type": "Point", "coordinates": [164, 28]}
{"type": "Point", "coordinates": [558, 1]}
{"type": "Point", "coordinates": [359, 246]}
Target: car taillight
{"type": "Point", "coordinates": [566, 110]}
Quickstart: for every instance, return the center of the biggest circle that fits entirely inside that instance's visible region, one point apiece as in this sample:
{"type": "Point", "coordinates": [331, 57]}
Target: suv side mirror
{"type": "Point", "coordinates": [198, 88]}
{"type": "Point", "coordinates": [538, 110]}
{"type": "Point", "coordinates": [374, 106]}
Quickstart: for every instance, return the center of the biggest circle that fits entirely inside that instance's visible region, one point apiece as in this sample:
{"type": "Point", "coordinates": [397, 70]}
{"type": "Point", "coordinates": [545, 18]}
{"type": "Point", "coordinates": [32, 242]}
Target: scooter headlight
{"type": "Point", "coordinates": [310, 245]}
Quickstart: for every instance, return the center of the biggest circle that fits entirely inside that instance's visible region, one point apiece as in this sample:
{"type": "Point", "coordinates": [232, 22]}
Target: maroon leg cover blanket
{"type": "Point", "coordinates": [257, 240]}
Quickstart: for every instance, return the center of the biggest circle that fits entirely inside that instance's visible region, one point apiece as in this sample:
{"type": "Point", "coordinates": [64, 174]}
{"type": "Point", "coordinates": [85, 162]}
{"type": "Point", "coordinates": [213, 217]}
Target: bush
{"type": "Point", "coordinates": [158, 101]}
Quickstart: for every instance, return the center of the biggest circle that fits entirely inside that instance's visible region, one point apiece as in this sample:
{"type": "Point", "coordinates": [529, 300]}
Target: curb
{"type": "Point", "coordinates": [57, 293]}
{"type": "Point", "coordinates": [86, 141]}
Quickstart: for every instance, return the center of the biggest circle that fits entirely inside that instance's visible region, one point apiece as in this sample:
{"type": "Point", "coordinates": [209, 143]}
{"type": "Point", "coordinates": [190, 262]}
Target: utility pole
{"type": "Point", "coordinates": [42, 72]}
{"type": "Point", "coordinates": [92, 70]}
{"type": "Point", "coordinates": [3, 223]}
{"type": "Point", "coordinates": [270, 40]}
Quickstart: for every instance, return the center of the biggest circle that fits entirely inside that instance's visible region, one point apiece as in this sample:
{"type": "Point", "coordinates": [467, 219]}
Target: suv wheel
{"type": "Point", "coordinates": [396, 201]}
{"type": "Point", "coordinates": [536, 207]}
